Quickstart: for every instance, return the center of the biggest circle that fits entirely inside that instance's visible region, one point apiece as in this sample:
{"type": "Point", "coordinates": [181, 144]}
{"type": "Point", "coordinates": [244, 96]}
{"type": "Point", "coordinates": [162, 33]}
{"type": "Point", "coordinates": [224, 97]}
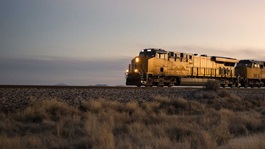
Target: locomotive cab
{"type": "Point", "coordinates": [251, 73]}
{"type": "Point", "coordinates": [148, 53]}
{"type": "Point", "coordinates": [138, 68]}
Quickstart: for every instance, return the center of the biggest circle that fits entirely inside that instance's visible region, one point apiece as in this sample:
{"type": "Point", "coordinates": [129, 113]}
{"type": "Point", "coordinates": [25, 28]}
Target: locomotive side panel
{"type": "Point", "coordinates": [188, 65]}
{"type": "Point", "coordinates": [255, 72]}
{"type": "Point", "coordinates": [202, 67]}
{"type": "Point", "coordinates": [168, 66]}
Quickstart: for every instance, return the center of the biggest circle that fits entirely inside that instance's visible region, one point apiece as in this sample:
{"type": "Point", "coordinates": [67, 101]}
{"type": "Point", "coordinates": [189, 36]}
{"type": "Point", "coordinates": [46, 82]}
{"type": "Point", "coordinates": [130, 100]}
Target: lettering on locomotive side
{"type": "Point", "coordinates": [158, 67]}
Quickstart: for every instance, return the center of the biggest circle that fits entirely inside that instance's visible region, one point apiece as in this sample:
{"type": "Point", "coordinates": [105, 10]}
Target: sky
{"type": "Point", "coordinates": [89, 42]}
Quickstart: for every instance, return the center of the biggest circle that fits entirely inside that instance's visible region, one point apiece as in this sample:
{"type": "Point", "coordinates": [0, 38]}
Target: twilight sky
{"type": "Point", "coordinates": [88, 42]}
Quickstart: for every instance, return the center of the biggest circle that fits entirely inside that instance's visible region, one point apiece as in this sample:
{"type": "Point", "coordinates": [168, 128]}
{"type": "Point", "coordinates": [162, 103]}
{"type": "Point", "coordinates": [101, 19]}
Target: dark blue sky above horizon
{"type": "Point", "coordinates": [87, 42]}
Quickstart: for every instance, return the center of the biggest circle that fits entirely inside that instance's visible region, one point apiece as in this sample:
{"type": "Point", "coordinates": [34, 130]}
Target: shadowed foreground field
{"type": "Point", "coordinates": [218, 120]}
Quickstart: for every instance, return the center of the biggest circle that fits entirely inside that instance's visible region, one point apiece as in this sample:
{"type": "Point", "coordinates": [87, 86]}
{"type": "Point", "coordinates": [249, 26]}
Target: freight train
{"type": "Point", "coordinates": [158, 67]}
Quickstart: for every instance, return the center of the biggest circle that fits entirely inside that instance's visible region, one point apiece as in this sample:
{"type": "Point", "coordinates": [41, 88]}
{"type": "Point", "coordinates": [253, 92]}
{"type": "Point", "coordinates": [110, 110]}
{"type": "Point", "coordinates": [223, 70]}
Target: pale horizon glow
{"type": "Point", "coordinates": [91, 42]}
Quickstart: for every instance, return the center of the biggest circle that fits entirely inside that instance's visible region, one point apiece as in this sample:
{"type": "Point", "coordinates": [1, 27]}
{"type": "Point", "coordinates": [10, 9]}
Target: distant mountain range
{"type": "Point", "coordinates": [60, 84]}
{"type": "Point", "coordinates": [63, 84]}
{"type": "Point", "coordinates": [101, 85]}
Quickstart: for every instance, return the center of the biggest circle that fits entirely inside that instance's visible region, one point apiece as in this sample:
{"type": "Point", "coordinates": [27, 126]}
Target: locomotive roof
{"type": "Point", "coordinates": [155, 49]}
{"type": "Point", "coordinates": [224, 57]}
{"type": "Point", "coordinates": [251, 61]}
{"type": "Point", "coordinates": [215, 58]}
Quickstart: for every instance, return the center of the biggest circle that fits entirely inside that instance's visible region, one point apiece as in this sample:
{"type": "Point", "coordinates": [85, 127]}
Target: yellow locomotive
{"type": "Point", "coordinates": [158, 67]}
{"type": "Point", "coordinates": [250, 73]}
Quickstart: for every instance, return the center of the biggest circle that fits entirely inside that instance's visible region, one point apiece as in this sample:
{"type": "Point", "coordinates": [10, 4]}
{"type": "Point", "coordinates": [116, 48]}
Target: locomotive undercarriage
{"type": "Point", "coordinates": [169, 81]}
{"type": "Point", "coordinates": [160, 81]}
{"type": "Point", "coordinates": [251, 83]}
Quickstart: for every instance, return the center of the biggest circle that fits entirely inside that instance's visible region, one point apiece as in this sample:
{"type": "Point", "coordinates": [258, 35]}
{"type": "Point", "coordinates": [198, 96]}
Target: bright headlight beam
{"type": "Point", "coordinates": [137, 60]}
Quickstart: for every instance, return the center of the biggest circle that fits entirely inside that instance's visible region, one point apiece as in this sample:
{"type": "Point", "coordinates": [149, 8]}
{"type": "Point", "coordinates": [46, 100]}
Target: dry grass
{"type": "Point", "coordinates": [253, 141]}
{"type": "Point", "coordinates": [158, 123]}
{"type": "Point", "coordinates": [212, 85]}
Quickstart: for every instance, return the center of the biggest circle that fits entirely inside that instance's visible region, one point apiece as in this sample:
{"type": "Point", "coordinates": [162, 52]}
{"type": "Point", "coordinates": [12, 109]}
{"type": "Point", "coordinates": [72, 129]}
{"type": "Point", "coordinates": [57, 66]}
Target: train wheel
{"type": "Point", "coordinates": [260, 84]}
{"type": "Point", "coordinates": [230, 85]}
{"type": "Point", "coordinates": [238, 85]}
{"type": "Point", "coordinates": [245, 85]}
{"type": "Point", "coordinates": [252, 84]}
{"type": "Point", "coordinates": [160, 84]}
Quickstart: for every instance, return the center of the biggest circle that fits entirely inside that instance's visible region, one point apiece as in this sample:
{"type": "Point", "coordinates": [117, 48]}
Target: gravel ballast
{"type": "Point", "coordinates": [17, 98]}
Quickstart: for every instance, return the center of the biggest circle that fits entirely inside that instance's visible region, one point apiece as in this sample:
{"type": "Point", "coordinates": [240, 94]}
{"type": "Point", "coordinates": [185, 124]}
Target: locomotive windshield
{"type": "Point", "coordinates": [245, 63]}
{"type": "Point", "coordinates": [251, 63]}
{"type": "Point", "coordinates": [148, 53]}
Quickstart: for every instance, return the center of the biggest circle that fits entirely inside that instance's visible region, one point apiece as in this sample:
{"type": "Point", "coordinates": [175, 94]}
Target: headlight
{"type": "Point", "coordinates": [135, 70]}
{"type": "Point", "coordinates": [127, 70]}
{"type": "Point", "coordinates": [137, 60]}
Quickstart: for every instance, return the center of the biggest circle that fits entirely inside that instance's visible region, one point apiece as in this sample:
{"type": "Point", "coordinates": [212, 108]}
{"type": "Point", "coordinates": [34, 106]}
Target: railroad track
{"type": "Point", "coordinates": [119, 87]}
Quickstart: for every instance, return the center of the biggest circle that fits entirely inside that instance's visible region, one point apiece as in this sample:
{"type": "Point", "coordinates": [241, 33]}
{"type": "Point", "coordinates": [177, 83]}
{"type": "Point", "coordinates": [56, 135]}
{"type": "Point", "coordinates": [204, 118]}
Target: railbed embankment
{"type": "Point", "coordinates": [13, 98]}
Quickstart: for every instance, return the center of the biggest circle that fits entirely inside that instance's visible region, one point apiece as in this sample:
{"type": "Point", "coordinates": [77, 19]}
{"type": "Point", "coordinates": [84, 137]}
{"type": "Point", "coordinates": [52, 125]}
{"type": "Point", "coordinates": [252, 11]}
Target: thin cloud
{"type": "Point", "coordinates": [68, 71]}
